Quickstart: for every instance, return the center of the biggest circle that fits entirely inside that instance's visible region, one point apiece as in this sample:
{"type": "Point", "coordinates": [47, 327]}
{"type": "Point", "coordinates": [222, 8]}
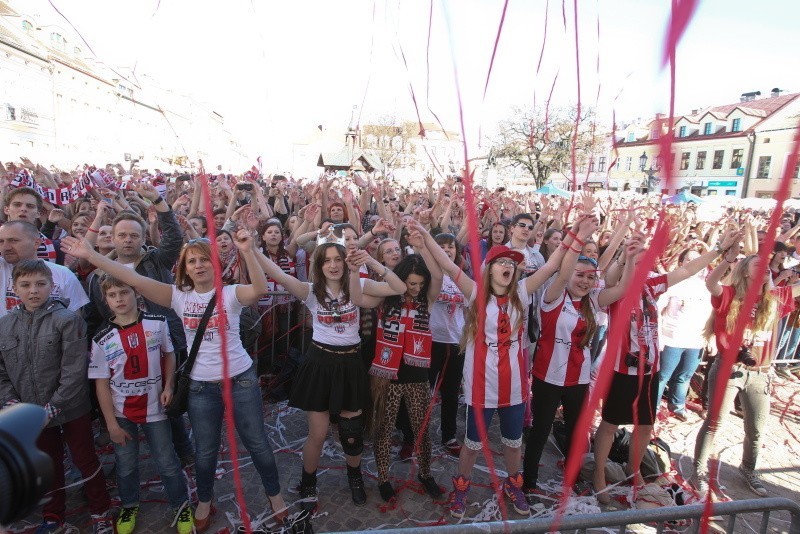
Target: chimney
{"type": "Point", "coordinates": [748, 97]}
{"type": "Point", "coordinates": [776, 92]}
{"type": "Point", "coordinates": [695, 111]}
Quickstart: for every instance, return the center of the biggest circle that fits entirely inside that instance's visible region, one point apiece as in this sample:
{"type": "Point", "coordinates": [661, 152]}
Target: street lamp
{"type": "Point", "coordinates": [650, 181]}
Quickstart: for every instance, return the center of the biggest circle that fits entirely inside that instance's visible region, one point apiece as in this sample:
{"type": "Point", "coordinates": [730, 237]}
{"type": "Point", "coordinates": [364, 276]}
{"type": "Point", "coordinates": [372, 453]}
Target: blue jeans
{"type": "Point", "coordinates": [159, 439]}
{"type": "Point", "coordinates": [677, 368]}
{"type": "Point", "coordinates": [511, 420]}
{"type": "Point", "coordinates": [206, 413]}
{"type": "Point", "coordinates": [788, 343]}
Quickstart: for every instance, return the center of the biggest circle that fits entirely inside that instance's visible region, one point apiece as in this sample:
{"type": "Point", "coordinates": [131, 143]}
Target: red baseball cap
{"type": "Point", "coordinates": [502, 251]}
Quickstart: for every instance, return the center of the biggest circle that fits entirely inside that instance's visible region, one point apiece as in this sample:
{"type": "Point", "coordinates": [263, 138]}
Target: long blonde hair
{"type": "Point", "coordinates": [766, 311]}
{"type": "Point", "coordinates": [471, 320]}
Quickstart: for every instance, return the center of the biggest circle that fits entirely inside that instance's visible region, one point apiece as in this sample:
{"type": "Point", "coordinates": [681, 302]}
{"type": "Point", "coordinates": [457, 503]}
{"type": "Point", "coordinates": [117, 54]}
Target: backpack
{"type": "Point", "coordinates": [656, 460]}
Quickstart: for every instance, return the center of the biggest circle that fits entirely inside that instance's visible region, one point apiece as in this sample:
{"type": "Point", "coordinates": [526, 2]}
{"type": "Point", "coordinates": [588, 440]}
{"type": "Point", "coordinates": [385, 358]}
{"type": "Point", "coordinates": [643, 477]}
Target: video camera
{"type": "Point", "coordinates": [26, 473]}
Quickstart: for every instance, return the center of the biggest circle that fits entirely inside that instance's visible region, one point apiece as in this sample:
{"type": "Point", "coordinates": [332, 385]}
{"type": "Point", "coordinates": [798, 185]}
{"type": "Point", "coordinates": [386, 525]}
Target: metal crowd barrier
{"type": "Point", "coordinates": [724, 514]}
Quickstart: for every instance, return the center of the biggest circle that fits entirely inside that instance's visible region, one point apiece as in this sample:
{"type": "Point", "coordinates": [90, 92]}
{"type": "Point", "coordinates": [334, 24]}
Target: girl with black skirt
{"type": "Point", "coordinates": [331, 382]}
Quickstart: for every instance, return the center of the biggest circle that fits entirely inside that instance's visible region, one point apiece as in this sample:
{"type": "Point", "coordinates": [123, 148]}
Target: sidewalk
{"type": "Point", "coordinates": [779, 463]}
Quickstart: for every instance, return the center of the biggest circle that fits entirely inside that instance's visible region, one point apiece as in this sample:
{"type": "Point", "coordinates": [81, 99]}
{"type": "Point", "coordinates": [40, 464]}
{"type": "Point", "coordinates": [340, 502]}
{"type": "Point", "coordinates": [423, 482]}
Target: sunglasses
{"type": "Point", "coordinates": [523, 225]}
{"type": "Point", "coordinates": [506, 263]}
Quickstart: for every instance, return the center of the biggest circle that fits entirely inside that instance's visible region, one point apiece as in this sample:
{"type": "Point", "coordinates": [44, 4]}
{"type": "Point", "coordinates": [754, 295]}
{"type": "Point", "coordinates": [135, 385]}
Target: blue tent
{"type": "Point", "coordinates": [683, 197]}
{"type": "Point", "coordinates": [550, 189]}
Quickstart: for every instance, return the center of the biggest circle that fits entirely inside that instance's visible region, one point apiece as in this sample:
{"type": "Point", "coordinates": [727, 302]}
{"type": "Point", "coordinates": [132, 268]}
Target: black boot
{"type": "Point", "coordinates": [356, 485]}
{"type": "Point", "coordinates": [308, 490]}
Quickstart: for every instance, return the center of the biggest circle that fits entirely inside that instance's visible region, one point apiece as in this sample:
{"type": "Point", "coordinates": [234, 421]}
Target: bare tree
{"type": "Point", "coordinates": [543, 147]}
{"type": "Point", "coordinates": [389, 138]}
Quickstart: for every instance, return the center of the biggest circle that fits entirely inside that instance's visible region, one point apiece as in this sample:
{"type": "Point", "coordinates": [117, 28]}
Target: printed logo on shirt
{"type": "Point", "coordinates": [133, 340]}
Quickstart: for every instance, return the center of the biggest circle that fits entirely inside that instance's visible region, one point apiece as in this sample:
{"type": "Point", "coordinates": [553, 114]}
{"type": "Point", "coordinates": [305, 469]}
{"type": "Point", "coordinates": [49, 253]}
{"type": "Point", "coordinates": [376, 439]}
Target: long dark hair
{"type": "Point", "coordinates": [391, 308]}
{"type": "Point", "coordinates": [281, 248]}
{"type": "Point", "coordinates": [319, 287]}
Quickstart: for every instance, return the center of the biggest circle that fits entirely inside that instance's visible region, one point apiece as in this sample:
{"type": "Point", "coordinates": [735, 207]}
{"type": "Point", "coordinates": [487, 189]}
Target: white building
{"type": "Point", "coordinates": [738, 149]}
{"type": "Point", "coordinates": [64, 107]}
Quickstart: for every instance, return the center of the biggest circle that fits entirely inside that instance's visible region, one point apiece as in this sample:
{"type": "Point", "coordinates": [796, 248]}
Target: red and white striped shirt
{"type": "Point", "coordinates": [494, 367]}
{"type": "Point", "coordinates": [559, 359]}
{"type": "Point", "coordinates": [132, 358]}
{"type": "Point", "coordinates": [643, 319]}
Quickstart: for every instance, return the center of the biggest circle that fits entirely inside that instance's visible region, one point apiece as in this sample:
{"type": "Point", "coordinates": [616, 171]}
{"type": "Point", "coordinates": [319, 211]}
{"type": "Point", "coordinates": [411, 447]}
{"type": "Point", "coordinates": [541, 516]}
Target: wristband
{"type": "Point", "coordinates": [565, 246]}
{"type": "Point", "coordinates": [578, 241]}
{"type": "Point", "coordinates": [158, 201]}
{"type": "Point", "coordinates": [93, 230]}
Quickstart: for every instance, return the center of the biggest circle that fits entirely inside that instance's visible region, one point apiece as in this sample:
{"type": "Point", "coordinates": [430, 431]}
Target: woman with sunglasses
{"type": "Point", "coordinates": [331, 382]}
{"type": "Point", "coordinates": [495, 370]}
{"type": "Point", "coordinates": [399, 370]}
{"type": "Point", "coordinates": [562, 364]}
{"type": "Point", "coordinates": [189, 297]}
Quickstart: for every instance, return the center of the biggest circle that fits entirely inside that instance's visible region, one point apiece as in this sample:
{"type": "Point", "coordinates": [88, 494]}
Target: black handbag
{"type": "Point", "coordinates": [180, 397]}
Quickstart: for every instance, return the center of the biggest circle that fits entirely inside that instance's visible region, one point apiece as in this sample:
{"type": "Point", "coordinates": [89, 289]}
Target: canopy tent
{"type": "Point", "coordinates": [550, 189]}
{"type": "Point", "coordinates": [683, 197]}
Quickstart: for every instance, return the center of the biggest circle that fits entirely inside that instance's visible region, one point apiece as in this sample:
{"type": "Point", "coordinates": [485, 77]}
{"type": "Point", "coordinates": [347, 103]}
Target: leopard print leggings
{"type": "Point", "coordinates": [417, 398]}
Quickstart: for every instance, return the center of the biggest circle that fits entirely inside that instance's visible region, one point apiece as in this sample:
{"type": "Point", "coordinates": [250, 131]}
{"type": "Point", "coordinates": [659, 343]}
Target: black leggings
{"type": "Point", "coordinates": [447, 357]}
{"type": "Point", "coordinates": [545, 400]}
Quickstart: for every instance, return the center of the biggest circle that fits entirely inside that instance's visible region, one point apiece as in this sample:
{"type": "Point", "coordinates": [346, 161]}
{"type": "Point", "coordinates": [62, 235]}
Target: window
{"type": "Point", "coordinates": [701, 160]}
{"type": "Point", "coordinates": [796, 172]}
{"type": "Point", "coordinates": [763, 166]}
{"type": "Point", "coordinates": [707, 128]}
{"type": "Point", "coordinates": [628, 162]}
{"type": "Point", "coordinates": [631, 137]}
{"type": "Point", "coordinates": [11, 113]}
{"type": "Point", "coordinates": [719, 155]}
{"type": "Point", "coordinates": [737, 125]}
{"type": "Point", "coordinates": [27, 27]}
{"type": "Point", "coordinates": [682, 131]}
{"type": "Point", "coordinates": [77, 51]}
{"type": "Point", "coordinates": [684, 161]}
{"type": "Point", "coordinates": [591, 165]}
{"type": "Point", "coordinates": [58, 40]}
{"type": "Point", "coordinates": [655, 133]}
{"type": "Point", "coordinates": [736, 158]}
{"type": "Point", "coordinates": [601, 164]}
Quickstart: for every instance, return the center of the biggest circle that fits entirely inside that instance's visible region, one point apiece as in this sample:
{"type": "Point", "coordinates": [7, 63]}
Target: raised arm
{"type": "Point", "coordinates": [464, 283]}
{"type": "Point", "coordinates": [718, 273]}
{"type": "Point", "coordinates": [416, 240]}
{"type": "Point", "coordinates": [612, 294]}
{"type": "Point", "coordinates": [586, 226]}
{"type": "Point", "coordinates": [250, 293]}
{"type": "Point", "coordinates": [391, 285]}
{"type": "Point", "coordinates": [358, 296]}
{"type": "Point", "coordinates": [616, 240]}
{"type": "Point", "coordinates": [680, 274]}
{"type": "Point", "coordinates": [293, 285]}
{"type": "Point", "coordinates": [153, 290]}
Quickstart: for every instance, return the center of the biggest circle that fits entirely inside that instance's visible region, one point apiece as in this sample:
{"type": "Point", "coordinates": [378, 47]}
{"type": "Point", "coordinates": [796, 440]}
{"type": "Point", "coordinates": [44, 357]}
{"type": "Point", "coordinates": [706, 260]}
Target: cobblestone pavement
{"type": "Point", "coordinates": [779, 463]}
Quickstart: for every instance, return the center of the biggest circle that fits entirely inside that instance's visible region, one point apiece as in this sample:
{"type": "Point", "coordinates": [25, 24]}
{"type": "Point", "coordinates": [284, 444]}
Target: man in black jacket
{"type": "Point", "coordinates": [128, 238]}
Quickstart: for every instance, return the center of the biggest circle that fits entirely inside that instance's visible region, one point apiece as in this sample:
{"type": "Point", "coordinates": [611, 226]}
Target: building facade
{"type": "Point", "coordinates": [65, 107]}
{"type": "Point", "coordinates": [738, 149]}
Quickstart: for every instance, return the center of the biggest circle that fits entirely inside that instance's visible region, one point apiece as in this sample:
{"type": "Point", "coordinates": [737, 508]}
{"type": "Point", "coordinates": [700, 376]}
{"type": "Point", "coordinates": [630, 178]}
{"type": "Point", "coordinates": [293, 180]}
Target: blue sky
{"type": "Point", "coordinates": [277, 69]}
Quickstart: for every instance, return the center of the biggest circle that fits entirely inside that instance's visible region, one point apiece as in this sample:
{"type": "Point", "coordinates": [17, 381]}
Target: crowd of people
{"type": "Point", "coordinates": [380, 296]}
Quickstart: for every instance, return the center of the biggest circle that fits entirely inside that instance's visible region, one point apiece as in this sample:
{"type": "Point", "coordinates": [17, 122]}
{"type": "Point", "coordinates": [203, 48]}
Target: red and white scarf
{"type": "Point", "coordinates": [403, 334]}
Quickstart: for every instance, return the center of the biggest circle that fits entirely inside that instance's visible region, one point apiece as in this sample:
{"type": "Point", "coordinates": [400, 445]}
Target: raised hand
{"type": "Point", "coordinates": [79, 248]}
{"type": "Point", "coordinates": [244, 240]}
{"type": "Point", "coordinates": [56, 216]}
{"type": "Point", "coordinates": [147, 190]}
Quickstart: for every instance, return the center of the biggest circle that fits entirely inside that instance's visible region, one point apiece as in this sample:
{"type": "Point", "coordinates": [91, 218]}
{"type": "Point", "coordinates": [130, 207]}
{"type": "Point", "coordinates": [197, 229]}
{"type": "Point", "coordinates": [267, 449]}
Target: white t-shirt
{"type": "Point", "coordinates": [65, 286]}
{"type": "Point", "coordinates": [190, 307]}
{"type": "Point", "coordinates": [447, 313]}
{"type": "Point", "coordinates": [533, 262]}
{"type": "Point", "coordinates": [495, 372]}
{"type": "Point", "coordinates": [684, 310]}
{"type": "Point", "coordinates": [339, 326]}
